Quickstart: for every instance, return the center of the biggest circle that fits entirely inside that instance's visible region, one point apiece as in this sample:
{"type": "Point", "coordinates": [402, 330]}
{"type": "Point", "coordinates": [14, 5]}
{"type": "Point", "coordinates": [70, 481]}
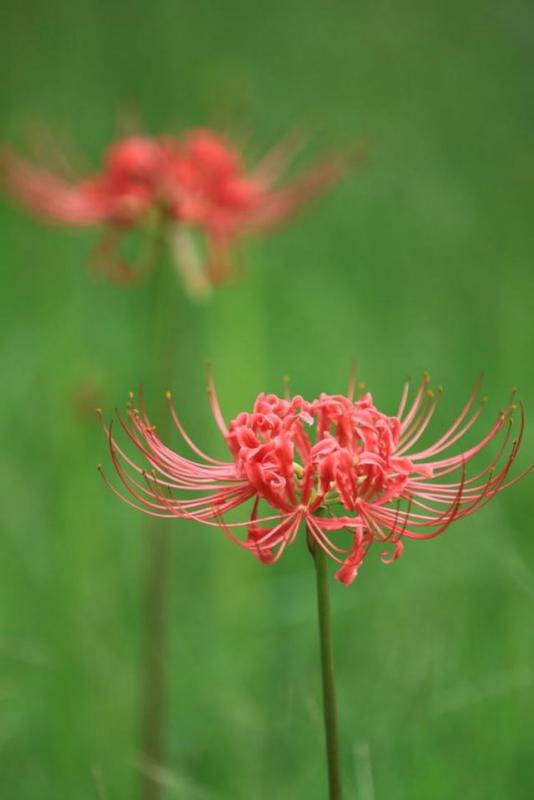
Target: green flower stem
{"type": "Point", "coordinates": [327, 669]}
{"type": "Point", "coordinates": [163, 356]}
{"type": "Point", "coordinates": [154, 678]}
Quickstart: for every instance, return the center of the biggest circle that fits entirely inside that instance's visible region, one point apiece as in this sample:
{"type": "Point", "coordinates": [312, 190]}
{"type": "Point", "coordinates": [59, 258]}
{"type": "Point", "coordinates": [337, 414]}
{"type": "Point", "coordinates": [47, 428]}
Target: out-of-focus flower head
{"type": "Point", "coordinates": [194, 191]}
{"type": "Point", "coordinates": [340, 467]}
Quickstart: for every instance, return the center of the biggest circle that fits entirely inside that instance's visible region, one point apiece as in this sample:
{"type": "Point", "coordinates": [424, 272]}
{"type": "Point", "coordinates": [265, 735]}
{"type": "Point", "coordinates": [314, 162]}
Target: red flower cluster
{"type": "Point", "coordinates": [335, 464]}
{"type": "Point", "coordinates": [196, 182]}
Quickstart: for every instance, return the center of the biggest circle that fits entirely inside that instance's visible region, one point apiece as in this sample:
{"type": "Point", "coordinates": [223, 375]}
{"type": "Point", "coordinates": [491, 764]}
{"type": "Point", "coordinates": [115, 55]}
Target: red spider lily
{"type": "Point", "coordinates": [180, 185]}
{"type": "Point", "coordinates": [338, 465]}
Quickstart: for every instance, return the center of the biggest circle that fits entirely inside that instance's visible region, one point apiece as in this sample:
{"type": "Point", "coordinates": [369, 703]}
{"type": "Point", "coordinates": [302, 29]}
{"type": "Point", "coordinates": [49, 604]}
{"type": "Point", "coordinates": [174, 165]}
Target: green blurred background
{"type": "Point", "coordinates": [423, 261]}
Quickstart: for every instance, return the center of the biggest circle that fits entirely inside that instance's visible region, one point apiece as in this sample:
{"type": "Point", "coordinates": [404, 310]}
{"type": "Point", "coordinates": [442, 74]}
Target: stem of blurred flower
{"type": "Point", "coordinates": [156, 591]}
{"type": "Point", "coordinates": [327, 669]}
{"type": "Point", "coordinates": [162, 354]}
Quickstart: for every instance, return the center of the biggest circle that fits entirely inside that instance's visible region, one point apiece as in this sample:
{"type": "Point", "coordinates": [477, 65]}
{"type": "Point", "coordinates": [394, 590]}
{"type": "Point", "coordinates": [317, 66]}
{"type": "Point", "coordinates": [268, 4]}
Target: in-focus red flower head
{"type": "Point", "coordinates": [339, 467]}
{"type": "Point", "coordinates": [193, 190]}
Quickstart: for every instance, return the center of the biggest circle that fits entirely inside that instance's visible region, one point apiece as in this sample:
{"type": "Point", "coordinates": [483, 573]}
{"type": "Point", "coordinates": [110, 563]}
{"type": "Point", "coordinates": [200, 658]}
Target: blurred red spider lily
{"type": "Point", "coordinates": [338, 465]}
{"type": "Point", "coordinates": [196, 184]}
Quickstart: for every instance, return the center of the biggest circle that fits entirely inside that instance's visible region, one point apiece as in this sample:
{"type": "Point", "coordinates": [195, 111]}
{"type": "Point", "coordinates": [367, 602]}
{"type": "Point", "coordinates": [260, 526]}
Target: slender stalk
{"type": "Point", "coordinates": [154, 683]}
{"type": "Point", "coordinates": [327, 669]}
{"type": "Point", "coordinates": [162, 337]}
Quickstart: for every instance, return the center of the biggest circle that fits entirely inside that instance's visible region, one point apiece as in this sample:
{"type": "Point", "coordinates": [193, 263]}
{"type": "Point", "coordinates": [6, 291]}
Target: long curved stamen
{"type": "Point", "coordinates": [322, 540]}
{"type": "Point", "coordinates": [446, 438]}
{"type": "Point", "coordinates": [184, 434]}
{"type": "Point", "coordinates": [404, 397]}
{"type": "Point", "coordinates": [410, 438]}
{"type": "Point", "coordinates": [419, 397]}
{"type": "Point", "coordinates": [215, 407]}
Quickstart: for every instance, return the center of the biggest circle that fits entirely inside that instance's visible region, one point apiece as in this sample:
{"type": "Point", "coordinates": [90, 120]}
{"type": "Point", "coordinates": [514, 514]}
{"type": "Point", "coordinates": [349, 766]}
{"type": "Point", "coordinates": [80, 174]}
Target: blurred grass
{"type": "Point", "coordinates": [422, 262]}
